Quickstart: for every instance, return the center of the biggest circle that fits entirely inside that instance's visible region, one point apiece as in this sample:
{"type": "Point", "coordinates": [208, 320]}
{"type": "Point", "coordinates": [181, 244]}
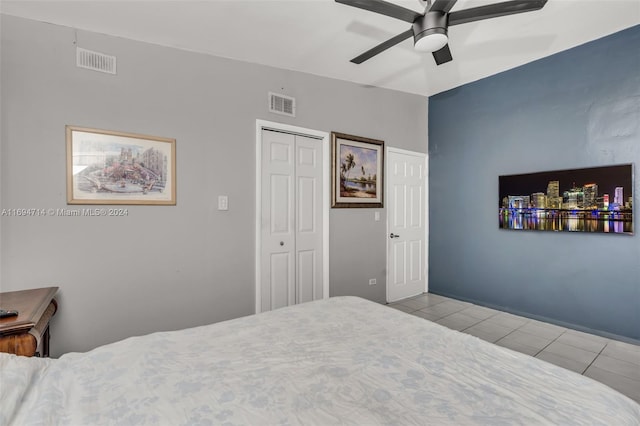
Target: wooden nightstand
{"type": "Point", "coordinates": [27, 333]}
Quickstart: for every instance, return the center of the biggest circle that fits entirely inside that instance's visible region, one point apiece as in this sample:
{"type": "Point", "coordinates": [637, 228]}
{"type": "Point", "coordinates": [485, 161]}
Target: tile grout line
{"type": "Point", "coordinates": [511, 332]}
{"type": "Point", "coordinates": [594, 359]}
{"type": "Point", "coordinates": [549, 344]}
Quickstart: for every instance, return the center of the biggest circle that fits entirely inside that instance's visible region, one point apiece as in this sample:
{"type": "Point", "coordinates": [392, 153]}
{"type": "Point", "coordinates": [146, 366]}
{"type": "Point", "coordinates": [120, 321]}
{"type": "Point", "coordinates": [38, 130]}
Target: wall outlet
{"type": "Point", "coordinates": [372, 281]}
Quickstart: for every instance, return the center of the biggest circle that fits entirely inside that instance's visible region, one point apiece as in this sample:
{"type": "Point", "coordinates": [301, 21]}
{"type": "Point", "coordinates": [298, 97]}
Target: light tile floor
{"type": "Point", "coordinates": [614, 363]}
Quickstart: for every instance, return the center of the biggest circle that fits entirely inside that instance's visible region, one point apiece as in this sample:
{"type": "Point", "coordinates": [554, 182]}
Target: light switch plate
{"type": "Point", "coordinates": [223, 202]}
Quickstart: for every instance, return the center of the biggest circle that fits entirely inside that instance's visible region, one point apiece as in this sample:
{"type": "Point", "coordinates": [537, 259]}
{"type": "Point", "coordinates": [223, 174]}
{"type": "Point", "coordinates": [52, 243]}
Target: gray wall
{"type": "Point", "coordinates": [579, 108]}
{"type": "Point", "coordinates": [162, 268]}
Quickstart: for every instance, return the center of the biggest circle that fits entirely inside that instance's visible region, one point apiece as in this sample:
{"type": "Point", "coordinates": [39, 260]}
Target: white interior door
{"type": "Point", "coordinates": [291, 253]}
{"type": "Point", "coordinates": [278, 223]}
{"type": "Point", "coordinates": [407, 223]}
{"type": "Point", "coordinates": [308, 219]}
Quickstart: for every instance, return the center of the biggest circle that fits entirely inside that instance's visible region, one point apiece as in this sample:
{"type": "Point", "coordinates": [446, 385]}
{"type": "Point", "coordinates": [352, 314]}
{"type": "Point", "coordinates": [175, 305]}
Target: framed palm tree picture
{"type": "Point", "coordinates": [357, 168]}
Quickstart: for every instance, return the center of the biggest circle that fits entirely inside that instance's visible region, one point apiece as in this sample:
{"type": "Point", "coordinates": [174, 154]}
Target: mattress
{"type": "Point", "coordinates": [342, 360]}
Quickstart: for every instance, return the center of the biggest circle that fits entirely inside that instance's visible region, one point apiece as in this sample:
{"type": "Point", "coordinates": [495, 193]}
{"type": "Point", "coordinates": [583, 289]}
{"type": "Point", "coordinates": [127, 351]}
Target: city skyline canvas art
{"type": "Point", "coordinates": [595, 200]}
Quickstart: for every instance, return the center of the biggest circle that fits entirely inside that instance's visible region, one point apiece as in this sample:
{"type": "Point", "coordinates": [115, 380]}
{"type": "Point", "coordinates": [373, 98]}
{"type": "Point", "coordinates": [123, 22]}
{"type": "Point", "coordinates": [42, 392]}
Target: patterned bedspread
{"type": "Point", "coordinates": [343, 360]}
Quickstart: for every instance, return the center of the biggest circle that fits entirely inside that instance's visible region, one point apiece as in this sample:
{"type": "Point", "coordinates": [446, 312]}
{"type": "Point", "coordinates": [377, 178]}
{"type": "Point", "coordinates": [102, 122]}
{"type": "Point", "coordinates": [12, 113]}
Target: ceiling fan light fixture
{"type": "Point", "coordinates": [430, 32]}
{"type": "Point", "coordinates": [431, 42]}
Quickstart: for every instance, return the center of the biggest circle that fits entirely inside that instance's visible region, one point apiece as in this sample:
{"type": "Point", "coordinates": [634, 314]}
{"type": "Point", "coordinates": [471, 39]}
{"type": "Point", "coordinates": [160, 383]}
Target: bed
{"type": "Point", "coordinates": [342, 360]}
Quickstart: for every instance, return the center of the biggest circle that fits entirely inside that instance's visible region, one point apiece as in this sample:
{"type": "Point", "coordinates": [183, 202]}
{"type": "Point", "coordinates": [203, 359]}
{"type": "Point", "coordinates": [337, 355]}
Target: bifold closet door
{"type": "Point", "coordinates": [291, 220]}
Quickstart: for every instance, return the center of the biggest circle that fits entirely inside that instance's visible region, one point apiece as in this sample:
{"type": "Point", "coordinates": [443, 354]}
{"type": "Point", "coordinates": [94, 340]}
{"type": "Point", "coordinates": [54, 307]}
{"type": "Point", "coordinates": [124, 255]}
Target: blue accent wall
{"type": "Point", "coordinates": [578, 108]}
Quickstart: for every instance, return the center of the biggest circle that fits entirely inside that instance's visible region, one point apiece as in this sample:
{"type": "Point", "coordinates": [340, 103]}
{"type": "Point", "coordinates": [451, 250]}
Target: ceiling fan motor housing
{"type": "Point", "coordinates": [431, 25]}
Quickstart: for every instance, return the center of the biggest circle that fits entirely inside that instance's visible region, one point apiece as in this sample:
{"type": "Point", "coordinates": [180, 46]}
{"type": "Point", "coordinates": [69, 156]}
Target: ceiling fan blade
{"type": "Point", "coordinates": [384, 8]}
{"type": "Point", "coordinates": [443, 55]}
{"type": "Point", "coordinates": [442, 5]}
{"type": "Point", "coordinates": [383, 46]}
{"type": "Point", "coordinates": [494, 11]}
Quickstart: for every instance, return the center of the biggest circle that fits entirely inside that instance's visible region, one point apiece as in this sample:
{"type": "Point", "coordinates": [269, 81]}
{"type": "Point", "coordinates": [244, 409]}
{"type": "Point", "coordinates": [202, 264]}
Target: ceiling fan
{"type": "Point", "coordinates": [429, 29]}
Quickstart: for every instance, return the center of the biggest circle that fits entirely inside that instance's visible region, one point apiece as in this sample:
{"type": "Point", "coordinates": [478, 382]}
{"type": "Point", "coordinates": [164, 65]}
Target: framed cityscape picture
{"type": "Point", "coordinates": [108, 167]}
{"type": "Point", "coordinates": [595, 199]}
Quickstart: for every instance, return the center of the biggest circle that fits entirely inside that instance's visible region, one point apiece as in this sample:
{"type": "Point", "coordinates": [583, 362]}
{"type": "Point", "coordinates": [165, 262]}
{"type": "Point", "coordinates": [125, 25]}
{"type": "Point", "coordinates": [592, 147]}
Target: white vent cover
{"type": "Point", "coordinates": [95, 61]}
{"type": "Point", "coordinates": [281, 104]}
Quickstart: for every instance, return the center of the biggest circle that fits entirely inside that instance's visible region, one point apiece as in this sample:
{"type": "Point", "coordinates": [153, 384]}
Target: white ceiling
{"type": "Point", "coordinates": [321, 36]}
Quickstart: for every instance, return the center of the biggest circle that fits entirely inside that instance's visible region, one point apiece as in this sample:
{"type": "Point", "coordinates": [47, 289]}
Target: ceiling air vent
{"type": "Point", "coordinates": [281, 104]}
{"type": "Point", "coordinates": [95, 61]}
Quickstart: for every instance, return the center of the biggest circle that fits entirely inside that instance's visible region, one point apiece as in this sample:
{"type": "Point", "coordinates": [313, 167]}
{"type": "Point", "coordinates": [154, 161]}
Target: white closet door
{"type": "Point", "coordinates": [308, 219]}
{"type": "Point", "coordinates": [291, 224]}
{"type": "Point", "coordinates": [278, 220]}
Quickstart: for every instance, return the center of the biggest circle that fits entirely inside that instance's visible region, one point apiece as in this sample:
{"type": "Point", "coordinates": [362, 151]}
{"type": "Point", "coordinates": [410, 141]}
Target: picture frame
{"type": "Point", "coordinates": [357, 171]}
{"type": "Point", "coordinates": [112, 167]}
{"type": "Point", "coordinates": [588, 200]}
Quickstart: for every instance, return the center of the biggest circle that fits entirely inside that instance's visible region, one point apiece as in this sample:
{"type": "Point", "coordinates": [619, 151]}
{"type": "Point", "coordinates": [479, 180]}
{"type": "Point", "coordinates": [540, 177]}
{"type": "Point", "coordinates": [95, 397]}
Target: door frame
{"type": "Point", "coordinates": [326, 192]}
{"type": "Point", "coordinates": [387, 175]}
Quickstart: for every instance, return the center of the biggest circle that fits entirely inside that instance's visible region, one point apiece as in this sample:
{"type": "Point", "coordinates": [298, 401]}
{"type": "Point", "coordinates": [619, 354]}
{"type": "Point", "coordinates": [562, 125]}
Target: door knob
{"type": "Point", "coordinates": [394, 235]}
{"type": "Point", "coordinates": [281, 243]}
